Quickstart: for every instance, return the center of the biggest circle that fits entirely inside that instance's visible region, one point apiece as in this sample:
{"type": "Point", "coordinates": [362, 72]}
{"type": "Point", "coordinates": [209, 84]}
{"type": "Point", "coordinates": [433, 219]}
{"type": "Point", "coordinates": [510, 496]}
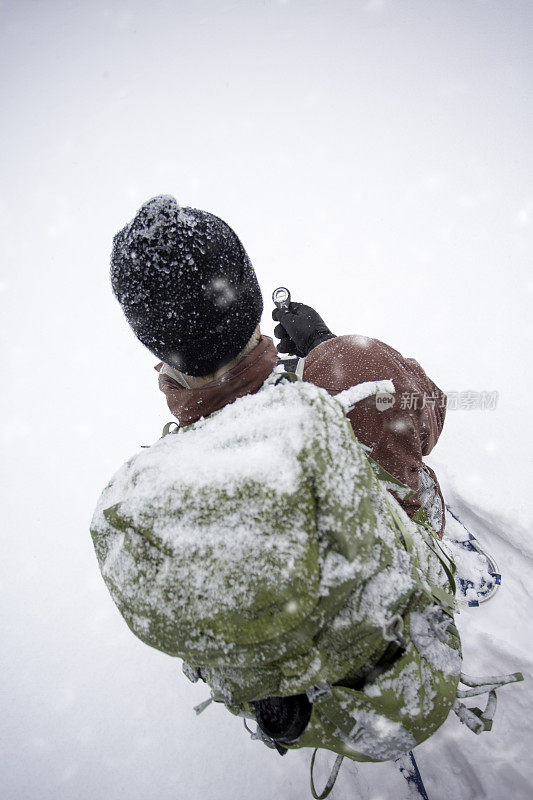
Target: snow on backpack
{"type": "Point", "coordinates": [261, 545]}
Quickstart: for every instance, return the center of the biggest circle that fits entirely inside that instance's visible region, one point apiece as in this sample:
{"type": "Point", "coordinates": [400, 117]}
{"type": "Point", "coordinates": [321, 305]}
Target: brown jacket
{"type": "Point", "coordinates": [398, 437]}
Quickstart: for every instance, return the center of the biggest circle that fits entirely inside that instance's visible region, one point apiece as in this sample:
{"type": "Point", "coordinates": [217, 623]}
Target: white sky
{"type": "Point", "coordinates": [373, 156]}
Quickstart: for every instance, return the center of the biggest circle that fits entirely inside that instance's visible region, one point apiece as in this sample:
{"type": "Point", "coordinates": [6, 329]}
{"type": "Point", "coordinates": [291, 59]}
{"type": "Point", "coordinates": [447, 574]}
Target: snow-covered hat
{"type": "Point", "coordinates": [186, 286]}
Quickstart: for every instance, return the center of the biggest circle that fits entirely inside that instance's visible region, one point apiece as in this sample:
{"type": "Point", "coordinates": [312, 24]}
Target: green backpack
{"type": "Point", "coordinates": [261, 545]}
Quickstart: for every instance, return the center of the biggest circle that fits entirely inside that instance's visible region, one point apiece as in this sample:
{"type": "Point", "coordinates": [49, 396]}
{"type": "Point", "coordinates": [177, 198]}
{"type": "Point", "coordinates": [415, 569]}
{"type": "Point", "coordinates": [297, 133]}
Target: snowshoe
{"type": "Point", "coordinates": [478, 576]}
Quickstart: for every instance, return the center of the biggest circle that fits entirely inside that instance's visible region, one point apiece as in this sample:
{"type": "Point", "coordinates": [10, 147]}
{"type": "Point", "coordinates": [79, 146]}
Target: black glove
{"type": "Point", "coordinates": [300, 329]}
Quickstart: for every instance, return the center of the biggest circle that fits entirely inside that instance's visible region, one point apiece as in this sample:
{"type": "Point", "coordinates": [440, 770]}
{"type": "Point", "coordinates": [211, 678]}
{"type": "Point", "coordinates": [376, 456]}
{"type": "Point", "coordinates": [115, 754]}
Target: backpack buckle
{"type": "Point", "coordinates": [318, 690]}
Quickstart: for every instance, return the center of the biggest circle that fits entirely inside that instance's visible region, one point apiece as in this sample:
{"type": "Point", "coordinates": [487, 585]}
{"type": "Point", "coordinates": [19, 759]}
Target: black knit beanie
{"type": "Point", "coordinates": [186, 286]}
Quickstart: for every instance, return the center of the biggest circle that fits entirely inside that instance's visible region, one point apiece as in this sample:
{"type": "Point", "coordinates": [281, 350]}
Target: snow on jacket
{"type": "Point", "coordinates": [398, 437]}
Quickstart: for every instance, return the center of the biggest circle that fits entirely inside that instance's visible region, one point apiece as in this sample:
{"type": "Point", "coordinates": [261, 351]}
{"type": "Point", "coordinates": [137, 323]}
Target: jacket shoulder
{"type": "Point", "coordinates": [346, 360]}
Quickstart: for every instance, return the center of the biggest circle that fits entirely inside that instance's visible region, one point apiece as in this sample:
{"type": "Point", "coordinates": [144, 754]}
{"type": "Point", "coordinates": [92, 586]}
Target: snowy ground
{"type": "Point", "coordinates": [375, 157]}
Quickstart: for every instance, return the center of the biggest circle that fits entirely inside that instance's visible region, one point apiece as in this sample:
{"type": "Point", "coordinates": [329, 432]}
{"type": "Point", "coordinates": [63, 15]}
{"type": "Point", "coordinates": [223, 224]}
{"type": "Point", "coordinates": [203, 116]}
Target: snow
{"type": "Point", "coordinates": [375, 158]}
{"type": "Point", "coordinates": [436, 652]}
{"type": "Point", "coordinates": [349, 397]}
{"type": "Point", "coordinates": [371, 727]}
{"type": "Point", "coordinates": [207, 541]}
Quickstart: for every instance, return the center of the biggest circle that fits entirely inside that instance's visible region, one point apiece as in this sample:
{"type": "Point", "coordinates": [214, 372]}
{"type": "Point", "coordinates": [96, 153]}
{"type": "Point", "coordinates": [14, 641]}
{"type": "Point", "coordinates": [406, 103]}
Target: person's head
{"type": "Point", "coordinates": [186, 286]}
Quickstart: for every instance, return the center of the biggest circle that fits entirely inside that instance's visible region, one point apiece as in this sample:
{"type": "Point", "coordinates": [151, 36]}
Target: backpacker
{"type": "Point", "coordinates": [261, 546]}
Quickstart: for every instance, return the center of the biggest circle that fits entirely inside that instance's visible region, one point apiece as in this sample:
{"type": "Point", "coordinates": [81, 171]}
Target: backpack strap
{"type": "Point", "coordinates": [331, 780]}
{"type": "Point", "coordinates": [446, 599]}
{"type": "Point", "coordinates": [474, 718]}
{"type": "Point", "coordinates": [169, 429]}
{"type": "Point", "coordinates": [293, 364]}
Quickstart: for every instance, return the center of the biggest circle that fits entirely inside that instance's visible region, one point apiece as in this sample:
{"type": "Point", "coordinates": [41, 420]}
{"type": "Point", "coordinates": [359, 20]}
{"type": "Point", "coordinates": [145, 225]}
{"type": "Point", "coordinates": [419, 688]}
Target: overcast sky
{"type": "Point", "coordinates": [372, 155]}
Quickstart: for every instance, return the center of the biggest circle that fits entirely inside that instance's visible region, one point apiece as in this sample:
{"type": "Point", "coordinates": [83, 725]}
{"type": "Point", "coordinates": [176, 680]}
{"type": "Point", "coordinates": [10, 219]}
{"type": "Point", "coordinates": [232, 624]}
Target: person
{"type": "Point", "coordinates": [284, 552]}
{"type": "Point", "coordinates": [203, 323]}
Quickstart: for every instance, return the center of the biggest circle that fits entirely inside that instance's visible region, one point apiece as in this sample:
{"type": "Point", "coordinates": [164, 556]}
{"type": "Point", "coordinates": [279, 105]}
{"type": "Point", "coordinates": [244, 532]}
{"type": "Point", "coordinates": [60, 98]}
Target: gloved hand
{"type": "Point", "coordinates": [300, 329]}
